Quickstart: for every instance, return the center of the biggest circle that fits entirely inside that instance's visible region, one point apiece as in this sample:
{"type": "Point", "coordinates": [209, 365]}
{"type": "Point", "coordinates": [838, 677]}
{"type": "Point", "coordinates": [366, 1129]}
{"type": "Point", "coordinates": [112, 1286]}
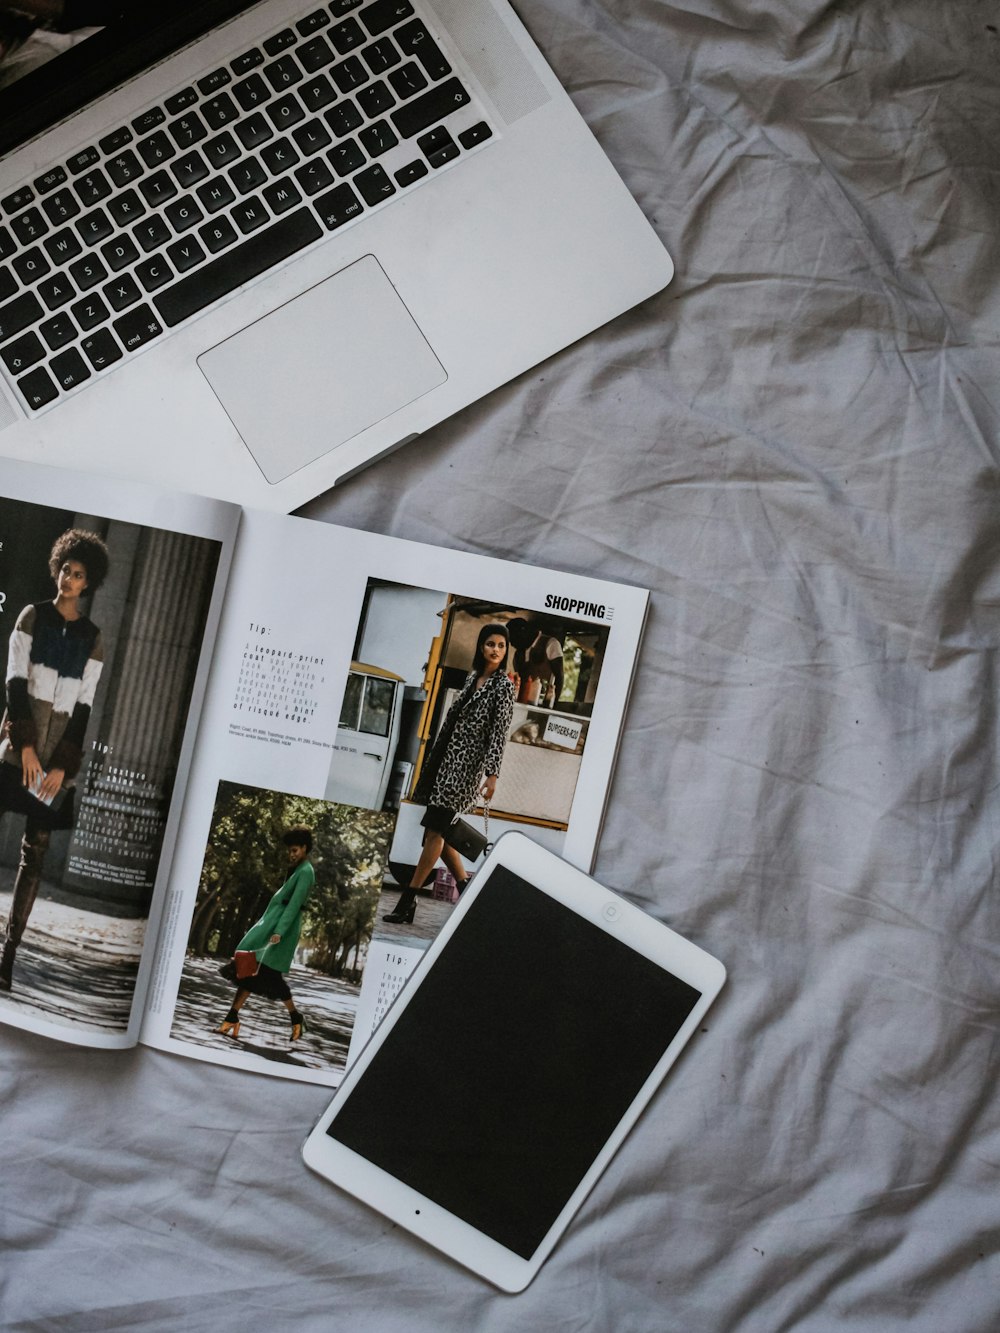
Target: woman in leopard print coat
{"type": "Point", "coordinates": [464, 761]}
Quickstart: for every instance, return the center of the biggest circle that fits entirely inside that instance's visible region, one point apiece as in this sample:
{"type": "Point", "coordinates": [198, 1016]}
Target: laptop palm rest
{"type": "Point", "coordinates": [322, 368]}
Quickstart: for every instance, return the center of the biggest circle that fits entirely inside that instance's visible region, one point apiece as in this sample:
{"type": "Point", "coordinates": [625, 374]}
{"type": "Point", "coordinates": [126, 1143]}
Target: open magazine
{"type": "Point", "coordinates": [237, 733]}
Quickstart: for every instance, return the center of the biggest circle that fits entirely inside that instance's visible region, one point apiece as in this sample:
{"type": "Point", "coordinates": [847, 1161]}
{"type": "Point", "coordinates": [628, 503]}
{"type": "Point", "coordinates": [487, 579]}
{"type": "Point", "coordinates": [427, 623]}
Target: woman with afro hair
{"type": "Point", "coordinates": [53, 666]}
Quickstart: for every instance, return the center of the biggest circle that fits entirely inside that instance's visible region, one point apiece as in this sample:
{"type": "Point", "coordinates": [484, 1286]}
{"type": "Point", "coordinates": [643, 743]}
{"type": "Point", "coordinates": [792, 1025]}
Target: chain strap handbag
{"type": "Point", "coordinates": [466, 839]}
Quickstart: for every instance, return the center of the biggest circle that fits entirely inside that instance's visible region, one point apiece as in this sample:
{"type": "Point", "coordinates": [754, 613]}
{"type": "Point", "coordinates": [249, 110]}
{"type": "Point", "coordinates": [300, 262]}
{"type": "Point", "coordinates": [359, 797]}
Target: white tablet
{"type": "Point", "coordinates": [513, 1063]}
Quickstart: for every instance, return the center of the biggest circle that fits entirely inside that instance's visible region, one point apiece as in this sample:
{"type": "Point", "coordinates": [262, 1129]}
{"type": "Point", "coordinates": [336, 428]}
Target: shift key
{"type": "Point", "coordinates": [19, 314]}
{"type": "Point", "coordinates": [430, 108]}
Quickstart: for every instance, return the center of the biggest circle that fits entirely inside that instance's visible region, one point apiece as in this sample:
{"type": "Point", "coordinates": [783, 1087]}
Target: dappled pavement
{"type": "Point", "coordinates": [327, 1004]}
{"type": "Point", "coordinates": [73, 966]}
{"type": "Point", "coordinates": [428, 918]}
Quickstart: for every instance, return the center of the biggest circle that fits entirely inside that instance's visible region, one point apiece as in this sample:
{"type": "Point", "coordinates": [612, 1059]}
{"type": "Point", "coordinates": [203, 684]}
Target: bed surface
{"type": "Point", "coordinates": [795, 447]}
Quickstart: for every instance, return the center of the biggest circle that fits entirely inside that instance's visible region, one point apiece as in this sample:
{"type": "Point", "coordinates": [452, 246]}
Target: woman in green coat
{"type": "Point", "coordinates": [273, 938]}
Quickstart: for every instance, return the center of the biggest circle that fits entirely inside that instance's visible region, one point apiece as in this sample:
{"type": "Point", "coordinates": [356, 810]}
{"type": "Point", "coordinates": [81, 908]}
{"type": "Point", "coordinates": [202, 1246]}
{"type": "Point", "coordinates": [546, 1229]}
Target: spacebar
{"type": "Point", "coordinates": [231, 270]}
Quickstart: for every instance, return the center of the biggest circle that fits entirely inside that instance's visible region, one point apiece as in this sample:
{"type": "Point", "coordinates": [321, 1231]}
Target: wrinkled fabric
{"type": "Point", "coordinates": [795, 447]}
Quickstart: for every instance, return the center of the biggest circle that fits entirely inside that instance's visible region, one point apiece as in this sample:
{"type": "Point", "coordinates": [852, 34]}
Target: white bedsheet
{"type": "Point", "coordinates": [795, 446]}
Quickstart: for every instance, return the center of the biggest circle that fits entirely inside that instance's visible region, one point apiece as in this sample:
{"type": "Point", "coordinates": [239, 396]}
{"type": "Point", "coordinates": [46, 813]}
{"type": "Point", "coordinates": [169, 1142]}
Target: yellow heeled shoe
{"type": "Point", "coordinates": [230, 1025]}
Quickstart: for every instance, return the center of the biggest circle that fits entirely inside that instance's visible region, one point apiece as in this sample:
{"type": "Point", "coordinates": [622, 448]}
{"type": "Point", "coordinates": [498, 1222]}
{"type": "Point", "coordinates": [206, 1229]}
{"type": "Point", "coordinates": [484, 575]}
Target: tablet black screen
{"type": "Point", "coordinates": [514, 1061]}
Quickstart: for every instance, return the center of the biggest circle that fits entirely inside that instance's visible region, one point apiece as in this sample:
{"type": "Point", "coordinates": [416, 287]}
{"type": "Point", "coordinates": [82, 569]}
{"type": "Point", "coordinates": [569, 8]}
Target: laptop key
{"type": "Point", "coordinates": [280, 41]}
{"type": "Point", "coordinates": [260, 252]}
{"type": "Point", "coordinates": [137, 328]}
{"type": "Point", "coordinates": [149, 120]}
{"type": "Point", "coordinates": [344, 118]}
{"type": "Point", "coordinates": [375, 99]}
{"type": "Point", "coordinates": [156, 149]}
{"type": "Point", "coordinates": [211, 83]}
{"type": "Point", "coordinates": [51, 179]}
{"type": "Point", "coordinates": [250, 214]}
{"type": "Point", "coordinates": [123, 292]}
{"type": "Point", "coordinates": [346, 157]}
{"type": "Point", "coordinates": [8, 284]}
{"type": "Point", "coordinates": [218, 234]}
{"type": "Point", "coordinates": [119, 253]}
{"type": "Point", "coordinates": [408, 81]}
{"type": "Point", "coordinates": [58, 331]}
{"type": "Point", "coordinates": [438, 147]}
{"type": "Point", "coordinates": [283, 73]}
{"type": "Point", "coordinates": [180, 101]}
{"type": "Point", "coordinates": [23, 353]}
{"type": "Point", "coordinates": [94, 227]}
{"type": "Point", "coordinates": [12, 203]}
{"type": "Point", "coordinates": [126, 208]}
{"type": "Point", "coordinates": [184, 213]}
{"type": "Point", "coordinates": [38, 389]}
{"type": "Point", "coordinates": [429, 108]}
{"type": "Point", "coordinates": [340, 7]}
{"type": "Point", "coordinates": [247, 61]}
{"type": "Point", "coordinates": [475, 134]}
{"type": "Point", "coordinates": [311, 137]}
{"type": "Point", "coordinates": [279, 157]}
{"type": "Point", "coordinates": [349, 74]}
{"type": "Point", "coordinates": [254, 131]}
{"type": "Point", "coordinates": [317, 19]}
{"type": "Point", "coordinates": [56, 291]}
{"type": "Point", "coordinates": [19, 314]}
{"type": "Point", "coordinates": [88, 272]}
{"type": "Point", "coordinates": [90, 312]}
{"type": "Point", "coordinates": [60, 207]}
{"type": "Point", "coordinates": [282, 195]}
{"type": "Point", "coordinates": [252, 92]}
{"type": "Point", "coordinates": [29, 226]}
{"type": "Point", "coordinates": [30, 265]}
{"type": "Point", "coordinates": [314, 176]}
{"type": "Point", "coordinates": [247, 175]}
{"type": "Point", "coordinates": [338, 206]}
{"type": "Point", "coordinates": [124, 168]}
{"type": "Point", "coordinates": [188, 130]}
{"type": "Point", "coordinates": [219, 111]}
{"type": "Point", "coordinates": [287, 111]}
{"type": "Point", "coordinates": [69, 368]}
{"type": "Point", "coordinates": [153, 273]}
{"type": "Point", "coordinates": [215, 194]}
{"type": "Point", "coordinates": [92, 188]}
{"type": "Point", "coordinates": [7, 244]}
{"type": "Point", "coordinates": [377, 138]}
{"type": "Point", "coordinates": [115, 140]}
{"type": "Point", "coordinates": [157, 189]}
{"type": "Point", "coordinates": [101, 350]}
{"type": "Point", "coordinates": [189, 169]}
{"type": "Point", "coordinates": [151, 234]}
{"type": "Point", "coordinates": [185, 254]}
{"type": "Point", "coordinates": [383, 14]}
{"type": "Point", "coordinates": [374, 184]}
{"type": "Point", "coordinates": [222, 150]}
{"type": "Point", "coordinates": [414, 40]}
{"type": "Point", "coordinates": [381, 55]}
{"type": "Point", "coordinates": [80, 161]}
{"type": "Point", "coordinates": [315, 54]}
{"type": "Point", "coordinates": [317, 92]}
{"type": "Point", "coordinates": [347, 35]}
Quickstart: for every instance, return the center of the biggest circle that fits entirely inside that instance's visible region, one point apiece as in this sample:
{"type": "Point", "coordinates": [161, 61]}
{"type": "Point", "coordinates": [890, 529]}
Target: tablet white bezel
{"type": "Point", "coordinates": [616, 917]}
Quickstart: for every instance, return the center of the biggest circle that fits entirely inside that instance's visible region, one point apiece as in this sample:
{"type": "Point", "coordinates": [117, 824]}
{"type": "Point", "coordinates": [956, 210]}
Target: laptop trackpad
{"type": "Point", "coordinates": [322, 368]}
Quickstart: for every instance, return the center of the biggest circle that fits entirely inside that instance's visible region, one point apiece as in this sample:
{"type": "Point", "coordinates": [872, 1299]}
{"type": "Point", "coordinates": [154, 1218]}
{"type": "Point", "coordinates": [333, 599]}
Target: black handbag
{"type": "Point", "coordinates": [466, 839]}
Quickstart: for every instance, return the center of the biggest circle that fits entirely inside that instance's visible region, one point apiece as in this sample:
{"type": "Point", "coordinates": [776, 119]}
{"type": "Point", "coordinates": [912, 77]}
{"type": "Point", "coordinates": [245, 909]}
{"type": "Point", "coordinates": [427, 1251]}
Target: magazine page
{"type": "Point", "coordinates": [110, 596]}
{"type": "Point", "coordinates": [365, 692]}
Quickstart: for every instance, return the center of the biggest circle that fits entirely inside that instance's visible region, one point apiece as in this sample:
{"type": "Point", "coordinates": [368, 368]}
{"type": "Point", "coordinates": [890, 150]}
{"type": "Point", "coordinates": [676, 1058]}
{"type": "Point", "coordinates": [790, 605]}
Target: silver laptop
{"type": "Point", "coordinates": [248, 249]}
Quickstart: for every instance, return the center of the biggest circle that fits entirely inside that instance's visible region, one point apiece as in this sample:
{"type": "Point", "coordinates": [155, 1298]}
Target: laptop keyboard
{"type": "Point", "coordinates": [297, 137]}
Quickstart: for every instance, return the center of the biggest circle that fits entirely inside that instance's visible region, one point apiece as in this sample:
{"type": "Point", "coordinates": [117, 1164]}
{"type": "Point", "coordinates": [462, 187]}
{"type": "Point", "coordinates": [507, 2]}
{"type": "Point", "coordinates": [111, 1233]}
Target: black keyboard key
{"type": "Point", "coordinates": [124, 168]}
{"type": "Point", "coordinates": [222, 150]}
{"type": "Point", "coordinates": [374, 184]}
{"type": "Point", "coordinates": [347, 35]}
{"type": "Point", "coordinates": [378, 138]}
{"type": "Point", "coordinates": [219, 111]}
{"type": "Point", "coordinates": [156, 149]}
{"type": "Point", "coordinates": [279, 157]}
{"type": "Point", "coordinates": [211, 83]}
{"type": "Point", "coordinates": [90, 312]}
{"type": "Point", "coordinates": [414, 40]}
{"type": "Point", "coordinates": [157, 189]}
{"type": "Point", "coordinates": [261, 252]}
{"type": "Point", "coordinates": [151, 234]}
{"type": "Point", "coordinates": [189, 169]}
{"type": "Point", "coordinates": [438, 147]}
{"type": "Point", "coordinates": [218, 234]}
{"type": "Point", "coordinates": [312, 137]}
{"type": "Point", "coordinates": [88, 272]}
{"type": "Point", "coordinates": [119, 253]}
{"type": "Point", "coordinates": [95, 227]}
{"type": "Point", "coordinates": [92, 188]}
{"type": "Point", "coordinates": [122, 292]}
{"type": "Point", "coordinates": [381, 55]}
{"type": "Point", "coordinates": [246, 62]}
{"type": "Point", "coordinates": [86, 157]}
{"type": "Point", "coordinates": [56, 291]}
{"type": "Point", "coordinates": [315, 54]}
{"type": "Point", "coordinates": [8, 284]}
{"type": "Point", "coordinates": [317, 19]}
{"type": "Point", "coordinates": [38, 389]}
{"type": "Point", "coordinates": [101, 349]}
{"type": "Point", "coordinates": [247, 175]}
{"type": "Point", "coordinates": [7, 244]}
{"type": "Point", "coordinates": [137, 328]}
{"type": "Point", "coordinates": [349, 74]}
{"type": "Point", "coordinates": [281, 196]}
{"type": "Point", "coordinates": [384, 14]}
{"type": "Point", "coordinates": [344, 118]}
{"type": "Point", "coordinates": [283, 73]}
{"type": "Point", "coordinates": [286, 112]}
{"type": "Point", "coordinates": [185, 254]}
{"type": "Point", "coordinates": [13, 203]}
{"type": "Point", "coordinates": [408, 81]}
{"type": "Point", "coordinates": [215, 194]}
{"type": "Point", "coordinates": [475, 134]}
{"type": "Point", "coordinates": [338, 206]}
{"type": "Point", "coordinates": [187, 130]}
{"type": "Point", "coordinates": [115, 140]}
{"type": "Point", "coordinates": [317, 92]}
{"type": "Point", "coordinates": [126, 208]}
{"type": "Point", "coordinates": [250, 215]}
{"type": "Point", "coordinates": [19, 314]}
{"type": "Point", "coordinates": [280, 41]}
{"type": "Point", "coordinates": [346, 157]}
{"type": "Point", "coordinates": [149, 120]}
{"type": "Point", "coordinates": [30, 265]}
{"type": "Point", "coordinates": [51, 180]}
{"type": "Point", "coordinates": [375, 99]}
{"type": "Point", "coordinates": [429, 108]}
{"type": "Point", "coordinates": [338, 8]}
{"type": "Point", "coordinates": [69, 368]}
{"type": "Point", "coordinates": [23, 353]}
{"type": "Point", "coordinates": [58, 331]}
{"type": "Point", "coordinates": [252, 92]}
{"type": "Point", "coordinates": [153, 273]}
{"type": "Point", "coordinates": [184, 213]}
{"type": "Point", "coordinates": [180, 101]}
{"type": "Point", "coordinates": [60, 207]}
{"type": "Point", "coordinates": [254, 131]}
{"type": "Point", "coordinates": [314, 176]}
{"type": "Point", "coordinates": [29, 227]}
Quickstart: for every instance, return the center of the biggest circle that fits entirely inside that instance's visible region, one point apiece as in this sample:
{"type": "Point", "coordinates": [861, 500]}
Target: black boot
{"type": "Point", "coordinates": [402, 913]}
{"type": "Point", "coordinates": [7, 965]}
